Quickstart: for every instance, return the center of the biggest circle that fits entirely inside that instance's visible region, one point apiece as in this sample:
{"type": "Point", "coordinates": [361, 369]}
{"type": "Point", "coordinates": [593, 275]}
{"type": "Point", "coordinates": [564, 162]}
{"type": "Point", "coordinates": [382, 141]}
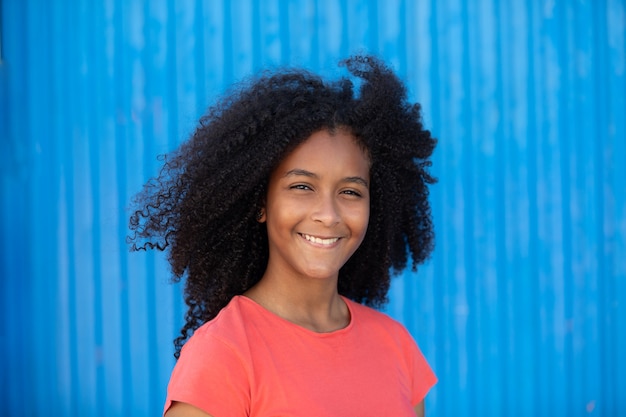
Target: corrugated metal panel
{"type": "Point", "coordinates": [522, 309]}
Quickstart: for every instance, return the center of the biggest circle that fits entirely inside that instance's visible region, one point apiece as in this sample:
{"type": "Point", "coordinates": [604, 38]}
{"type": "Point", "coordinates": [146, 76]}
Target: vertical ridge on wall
{"type": "Point", "coordinates": [560, 48]}
{"type": "Point", "coordinates": [15, 227]}
{"type": "Point", "coordinates": [43, 212]}
{"type": "Point", "coordinates": [500, 241]}
{"type": "Point", "coordinates": [114, 305]}
{"type": "Point", "coordinates": [612, 81]}
{"type": "Point", "coordinates": [548, 215]}
{"type": "Point", "coordinates": [606, 372]}
{"type": "Point", "coordinates": [116, 35]}
{"type": "Point", "coordinates": [99, 151]}
{"type": "Point", "coordinates": [520, 223]}
{"type": "Point", "coordinates": [529, 252]}
{"type": "Point", "coordinates": [442, 350]}
{"type": "Point", "coordinates": [596, 233]}
{"type": "Point", "coordinates": [111, 306]}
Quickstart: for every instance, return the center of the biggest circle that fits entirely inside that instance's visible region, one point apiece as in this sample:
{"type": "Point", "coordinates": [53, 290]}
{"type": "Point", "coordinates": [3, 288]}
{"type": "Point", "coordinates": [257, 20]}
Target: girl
{"type": "Point", "coordinates": [286, 212]}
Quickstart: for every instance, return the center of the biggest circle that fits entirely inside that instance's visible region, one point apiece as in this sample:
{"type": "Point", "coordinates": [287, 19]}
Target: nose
{"type": "Point", "coordinates": [326, 211]}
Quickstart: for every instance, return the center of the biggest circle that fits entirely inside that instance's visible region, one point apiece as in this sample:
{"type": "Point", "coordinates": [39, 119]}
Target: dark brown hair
{"type": "Point", "coordinates": [202, 207]}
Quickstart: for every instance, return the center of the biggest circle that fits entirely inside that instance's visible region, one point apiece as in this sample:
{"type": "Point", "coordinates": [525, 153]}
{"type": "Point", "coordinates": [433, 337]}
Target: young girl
{"type": "Point", "coordinates": [287, 211]}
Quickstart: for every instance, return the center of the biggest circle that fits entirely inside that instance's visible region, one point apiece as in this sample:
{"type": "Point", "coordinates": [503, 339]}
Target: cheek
{"type": "Point", "coordinates": [282, 219]}
{"type": "Point", "coordinates": [359, 220]}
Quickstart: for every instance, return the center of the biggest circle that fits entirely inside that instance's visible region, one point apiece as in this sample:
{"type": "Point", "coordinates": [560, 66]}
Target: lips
{"type": "Point", "coordinates": [319, 240]}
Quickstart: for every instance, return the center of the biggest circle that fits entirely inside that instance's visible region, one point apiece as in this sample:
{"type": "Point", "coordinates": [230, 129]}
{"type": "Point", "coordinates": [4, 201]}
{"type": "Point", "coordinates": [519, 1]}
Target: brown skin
{"type": "Point", "coordinates": [317, 212]}
{"type": "Point", "coordinates": [185, 410]}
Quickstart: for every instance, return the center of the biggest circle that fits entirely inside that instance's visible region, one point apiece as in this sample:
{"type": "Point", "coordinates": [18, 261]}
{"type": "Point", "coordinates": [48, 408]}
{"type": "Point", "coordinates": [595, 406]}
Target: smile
{"type": "Point", "coordinates": [320, 241]}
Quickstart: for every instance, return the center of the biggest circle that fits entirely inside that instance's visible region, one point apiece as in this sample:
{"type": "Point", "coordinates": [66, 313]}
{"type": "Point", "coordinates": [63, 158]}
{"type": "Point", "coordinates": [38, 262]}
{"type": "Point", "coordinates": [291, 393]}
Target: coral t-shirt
{"type": "Point", "coordinates": [248, 361]}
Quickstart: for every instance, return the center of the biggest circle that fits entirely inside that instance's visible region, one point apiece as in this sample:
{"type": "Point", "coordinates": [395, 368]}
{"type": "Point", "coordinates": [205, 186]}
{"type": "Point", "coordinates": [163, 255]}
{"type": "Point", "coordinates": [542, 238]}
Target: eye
{"type": "Point", "coordinates": [354, 193]}
{"type": "Point", "coordinates": [299, 187]}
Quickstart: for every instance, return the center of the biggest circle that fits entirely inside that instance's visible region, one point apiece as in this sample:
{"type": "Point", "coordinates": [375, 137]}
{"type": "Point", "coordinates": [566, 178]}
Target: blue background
{"type": "Point", "coordinates": [522, 308]}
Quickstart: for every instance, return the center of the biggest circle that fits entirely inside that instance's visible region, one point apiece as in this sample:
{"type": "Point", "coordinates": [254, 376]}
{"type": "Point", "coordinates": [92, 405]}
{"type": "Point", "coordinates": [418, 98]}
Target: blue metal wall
{"type": "Point", "coordinates": [522, 309]}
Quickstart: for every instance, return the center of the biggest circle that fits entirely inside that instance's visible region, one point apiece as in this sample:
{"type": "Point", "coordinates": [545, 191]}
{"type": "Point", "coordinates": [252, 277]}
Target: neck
{"type": "Point", "coordinates": [315, 304]}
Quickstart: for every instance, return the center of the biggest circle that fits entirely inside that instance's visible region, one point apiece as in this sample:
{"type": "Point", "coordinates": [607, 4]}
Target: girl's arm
{"type": "Point", "coordinates": [419, 409]}
{"type": "Point", "coordinates": [185, 410]}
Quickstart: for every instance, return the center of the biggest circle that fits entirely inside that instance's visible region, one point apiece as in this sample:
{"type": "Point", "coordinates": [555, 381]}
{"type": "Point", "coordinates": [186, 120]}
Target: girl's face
{"type": "Point", "coordinates": [317, 206]}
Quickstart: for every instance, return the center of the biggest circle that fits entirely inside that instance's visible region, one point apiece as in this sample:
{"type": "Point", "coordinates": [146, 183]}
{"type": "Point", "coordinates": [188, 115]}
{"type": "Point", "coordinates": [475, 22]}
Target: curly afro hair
{"type": "Point", "coordinates": [202, 207]}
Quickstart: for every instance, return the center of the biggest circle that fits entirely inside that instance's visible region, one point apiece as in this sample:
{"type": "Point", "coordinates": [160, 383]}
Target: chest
{"type": "Point", "coordinates": [332, 378]}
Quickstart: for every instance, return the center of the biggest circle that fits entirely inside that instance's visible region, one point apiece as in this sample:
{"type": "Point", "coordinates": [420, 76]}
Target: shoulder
{"type": "Point", "coordinates": [226, 331]}
{"type": "Point", "coordinates": [373, 316]}
{"type": "Point", "coordinates": [231, 314]}
{"type": "Point", "coordinates": [389, 334]}
{"type": "Point", "coordinates": [377, 322]}
{"type": "Point", "coordinates": [214, 364]}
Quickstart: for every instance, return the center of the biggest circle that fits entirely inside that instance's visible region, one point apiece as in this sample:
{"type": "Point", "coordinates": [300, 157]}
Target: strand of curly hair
{"type": "Point", "coordinates": [202, 206]}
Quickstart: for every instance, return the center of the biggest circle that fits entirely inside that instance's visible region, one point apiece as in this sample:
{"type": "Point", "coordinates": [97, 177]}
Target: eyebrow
{"type": "Point", "coordinates": [305, 173]}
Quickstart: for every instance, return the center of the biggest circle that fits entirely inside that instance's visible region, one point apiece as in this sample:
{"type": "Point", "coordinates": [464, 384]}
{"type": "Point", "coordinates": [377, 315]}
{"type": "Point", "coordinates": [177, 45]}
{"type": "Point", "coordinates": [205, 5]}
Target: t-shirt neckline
{"type": "Point", "coordinates": [276, 317]}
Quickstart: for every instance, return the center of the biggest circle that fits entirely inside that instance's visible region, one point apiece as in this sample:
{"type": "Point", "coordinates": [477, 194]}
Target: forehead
{"type": "Point", "coordinates": [325, 150]}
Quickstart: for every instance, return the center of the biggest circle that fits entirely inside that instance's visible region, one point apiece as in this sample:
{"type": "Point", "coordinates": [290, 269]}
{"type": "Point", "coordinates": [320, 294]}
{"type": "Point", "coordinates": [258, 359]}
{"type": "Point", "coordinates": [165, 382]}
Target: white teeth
{"type": "Point", "coordinates": [321, 241]}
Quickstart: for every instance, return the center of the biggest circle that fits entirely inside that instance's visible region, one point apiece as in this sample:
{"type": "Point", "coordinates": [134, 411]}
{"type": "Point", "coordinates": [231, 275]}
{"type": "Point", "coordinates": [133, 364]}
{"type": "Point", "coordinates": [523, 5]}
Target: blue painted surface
{"type": "Point", "coordinates": [522, 308]}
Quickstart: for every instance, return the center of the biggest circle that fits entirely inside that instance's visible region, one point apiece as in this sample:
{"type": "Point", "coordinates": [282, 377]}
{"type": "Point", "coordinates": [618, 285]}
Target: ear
{"type": "Point", "coordinates": [260, 216]}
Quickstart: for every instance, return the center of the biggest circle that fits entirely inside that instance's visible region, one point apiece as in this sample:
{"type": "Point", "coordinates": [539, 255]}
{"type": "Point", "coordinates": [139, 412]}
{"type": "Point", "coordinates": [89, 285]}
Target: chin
{"type": "Point", "coordinates": [322, 274]}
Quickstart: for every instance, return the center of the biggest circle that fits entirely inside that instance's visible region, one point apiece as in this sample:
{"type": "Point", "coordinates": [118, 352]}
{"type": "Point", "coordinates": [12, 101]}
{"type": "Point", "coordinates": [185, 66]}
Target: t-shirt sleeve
{"type": "Point", "coordinates": [211, 376]}
{"type": "Point", "coordinates": [423, 376]}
